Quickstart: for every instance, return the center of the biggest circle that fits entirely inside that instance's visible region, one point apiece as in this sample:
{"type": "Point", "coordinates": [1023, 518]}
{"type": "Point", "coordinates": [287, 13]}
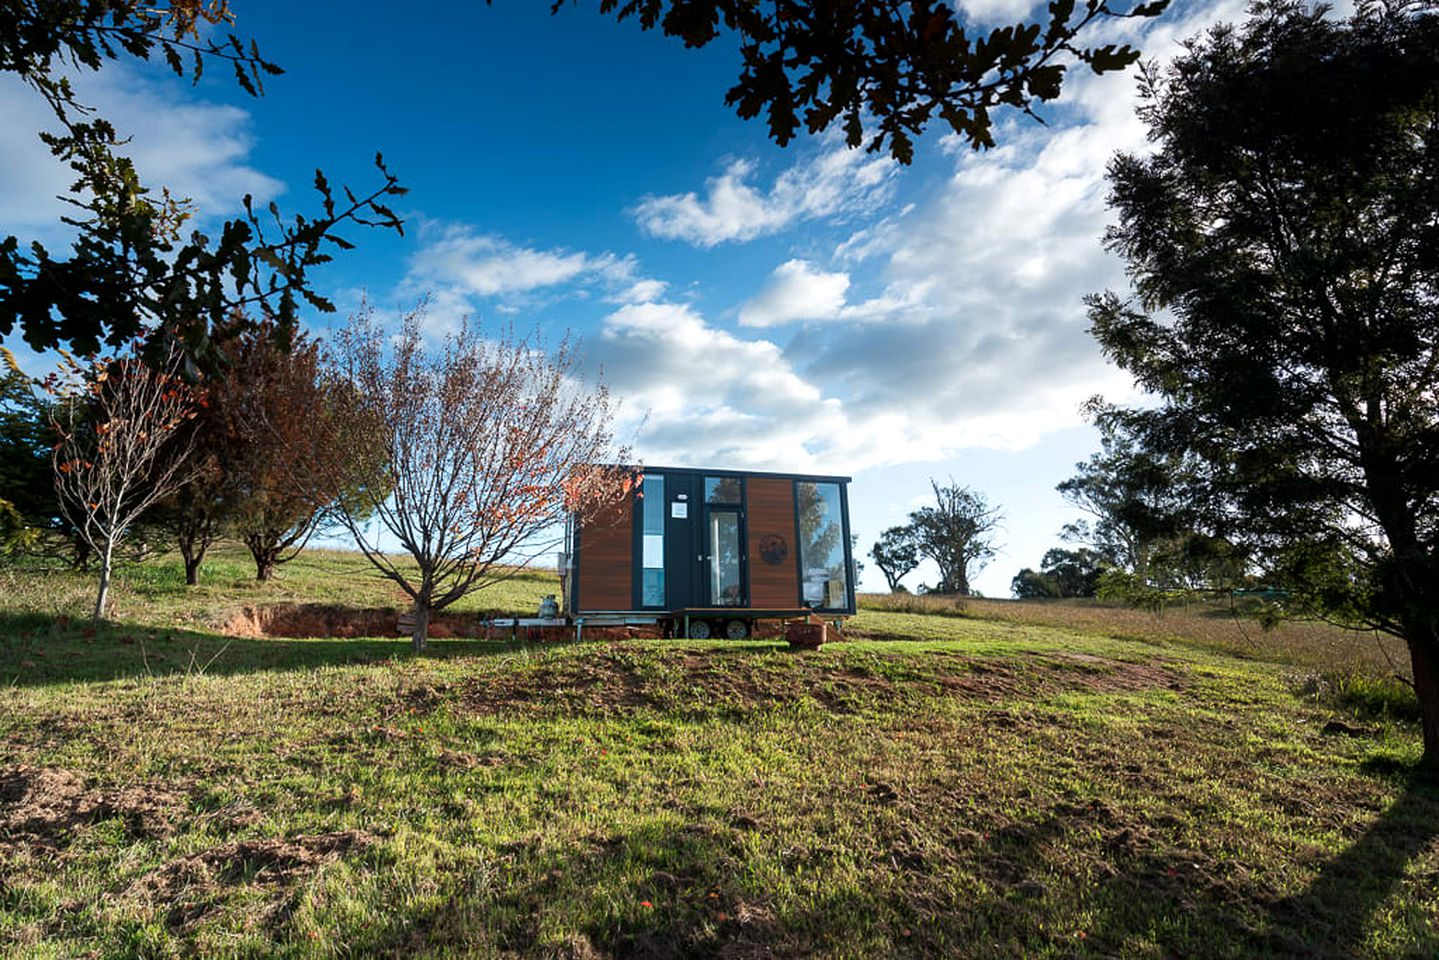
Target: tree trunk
{"type": "Point", "coordinates": [192, 553]}
{"type": "Point", "coordinates": [264, 553]}
{"type": "Point", "coordinates": [80, 559]}
{"type": "Point", "coordinates": [264, 563]}
{"type": "Point", "coordinates": [421, 631]}
{"type": "Point", "coordinates": [1424, 655]}
{"type": "Point", "coordinates": [103, 596]}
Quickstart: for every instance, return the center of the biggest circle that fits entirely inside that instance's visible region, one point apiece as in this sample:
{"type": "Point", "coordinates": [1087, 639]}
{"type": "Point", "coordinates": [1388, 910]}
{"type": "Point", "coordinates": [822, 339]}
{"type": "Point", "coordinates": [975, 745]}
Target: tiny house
{"type": "Point", "coordinates": [706, 553]}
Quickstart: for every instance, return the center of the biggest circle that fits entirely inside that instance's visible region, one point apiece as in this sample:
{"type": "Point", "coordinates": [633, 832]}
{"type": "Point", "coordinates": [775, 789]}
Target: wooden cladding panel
{"type": "Point", "coordinates": [606, 562]}
{"type": "Point", "coordinates": [770, 515]}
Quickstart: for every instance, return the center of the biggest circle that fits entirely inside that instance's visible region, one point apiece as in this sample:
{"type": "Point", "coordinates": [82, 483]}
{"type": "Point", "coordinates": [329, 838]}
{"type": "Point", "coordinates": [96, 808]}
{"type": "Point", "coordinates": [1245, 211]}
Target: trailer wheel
{"type": "Point", "coordinates": [736, 630]}
{"type": "Point", "coordinates": [700, 630]}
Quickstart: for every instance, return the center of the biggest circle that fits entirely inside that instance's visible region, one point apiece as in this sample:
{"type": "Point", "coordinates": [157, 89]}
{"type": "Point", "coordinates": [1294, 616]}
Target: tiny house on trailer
{"type": "Point", "coordinates": [707, 553]}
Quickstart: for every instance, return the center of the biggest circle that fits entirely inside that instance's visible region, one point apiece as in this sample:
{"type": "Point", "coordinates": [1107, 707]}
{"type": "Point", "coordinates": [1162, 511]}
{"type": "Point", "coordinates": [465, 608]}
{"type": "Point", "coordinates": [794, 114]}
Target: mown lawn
{"type": "Point", "coordinates": [985, 788]}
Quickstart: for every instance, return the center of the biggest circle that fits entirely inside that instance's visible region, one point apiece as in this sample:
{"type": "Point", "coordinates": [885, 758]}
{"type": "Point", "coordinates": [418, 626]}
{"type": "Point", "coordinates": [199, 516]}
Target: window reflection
{"type": "Point", "coordinates": [726, 588]}
{"type": "Point", "coordinates": [652, 566]}
{"type": "Point", "coordinates": [821, 546]}
{"type": "Point", "coordinates": [722, 490]}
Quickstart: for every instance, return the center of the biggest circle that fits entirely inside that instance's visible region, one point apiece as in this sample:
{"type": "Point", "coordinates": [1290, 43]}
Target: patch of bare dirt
{"type": "Point", "coordinates": [614, 680]}
{"type": "Point", "coordinates": [303, 620]}
{"type": "Point", "coordinates": [611, 681]}
{"type": "Point", "coordinates": [1104, 675]}
{"type": "Point", "coordinates": [188, 885]}
{"type": "Point", "coordinates": [39, 806]}
{"type": "Point", "coordinates": [312, 620]}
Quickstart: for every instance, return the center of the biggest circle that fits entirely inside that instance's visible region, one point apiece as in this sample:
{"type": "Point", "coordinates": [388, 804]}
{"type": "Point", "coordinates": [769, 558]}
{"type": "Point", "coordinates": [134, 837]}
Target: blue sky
{"type": "Point", "coordinates": [808, 308]}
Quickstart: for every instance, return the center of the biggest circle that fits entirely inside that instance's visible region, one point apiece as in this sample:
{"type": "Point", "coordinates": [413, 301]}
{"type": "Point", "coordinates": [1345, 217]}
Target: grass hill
{"type": "Point", "coordinates": [992, 780]}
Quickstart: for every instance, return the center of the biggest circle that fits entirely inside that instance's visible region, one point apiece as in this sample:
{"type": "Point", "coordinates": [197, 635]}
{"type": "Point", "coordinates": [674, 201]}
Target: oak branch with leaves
{"type": "Point", "coordinates": [894, 67]}
{"type": "Point", "coordinates": [132, 271]}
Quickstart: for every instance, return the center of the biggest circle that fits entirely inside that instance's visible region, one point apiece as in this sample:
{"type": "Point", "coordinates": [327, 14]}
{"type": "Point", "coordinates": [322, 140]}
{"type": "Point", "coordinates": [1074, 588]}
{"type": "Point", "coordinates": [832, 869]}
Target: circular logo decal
{"type": "Point", "coordinates": [773, 549]}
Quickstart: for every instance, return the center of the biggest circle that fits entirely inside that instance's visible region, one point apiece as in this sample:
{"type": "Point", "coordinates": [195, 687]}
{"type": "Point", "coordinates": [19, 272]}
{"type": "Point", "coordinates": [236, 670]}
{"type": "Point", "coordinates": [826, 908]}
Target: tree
{"type": "Point", "coordinates": [1283, 240]}
{"type": "Point", "coordinates": [115, 457]}
{"type": "Point", "coordinates": [1075, 573]}
{"type": "Point", "coordinates": [27, 477]}
{"type": "Point", "coordinates": [198, 513]}
{"type": "Point", "coordinates": [475, 454]}
{"type": "Point", "coordinates": [957, 533]}
{"type": "Point", "coordinates": [818, 61]}
{"type": "Point", "coordinates": [1129, 490]}
{"type": "Point", "coordinates": [130, 273]}
{"type": "Point", "coordinates": [896, 553]}
{"type": "Point", "coordinates": [283, 456]}
{"type": "Point", "coordinates": [1062, 573]}
{"type": "Point", "coordinates": [1030, 584]}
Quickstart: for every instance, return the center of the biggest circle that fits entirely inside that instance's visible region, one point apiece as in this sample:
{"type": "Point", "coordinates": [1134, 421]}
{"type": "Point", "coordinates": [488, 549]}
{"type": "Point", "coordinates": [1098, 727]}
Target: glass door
{"type": "Point", "coordinates": [725, 549]}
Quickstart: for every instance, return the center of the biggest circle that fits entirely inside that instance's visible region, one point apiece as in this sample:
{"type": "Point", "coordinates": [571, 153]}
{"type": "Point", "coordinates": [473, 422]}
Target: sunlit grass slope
{"type": "Point", "coordinates": [962, 787]}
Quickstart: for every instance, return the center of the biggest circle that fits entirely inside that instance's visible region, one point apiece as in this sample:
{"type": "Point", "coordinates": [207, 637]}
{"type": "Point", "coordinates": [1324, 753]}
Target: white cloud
{"type": "Point", "coordinates": [456, 256]}
{"type": "Point", "coordinates": [796, 291]}
{"type": "Point", "coordinates": [991, 11]}
{"type": "Point", "coordinates": [642, 291]}
{"type": "Point", "coordinates": [834, 182]}
{"type": "Point", "coordinates": [952, 324]}
{"type": "Point", "coordinates": [980, 337]}
{"type": "Point", "coordinates": [199, 150]}
{"type": "Point", "coordinates": [996, 10]}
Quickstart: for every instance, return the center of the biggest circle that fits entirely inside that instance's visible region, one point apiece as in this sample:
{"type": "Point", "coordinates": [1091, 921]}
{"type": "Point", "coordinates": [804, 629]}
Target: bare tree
{"type": "Point", "coordinates": [121, 447]}
{"type": "Point", "coordinates": [479, 449]}
{"type": "Point", "coordinates": [957, 533]}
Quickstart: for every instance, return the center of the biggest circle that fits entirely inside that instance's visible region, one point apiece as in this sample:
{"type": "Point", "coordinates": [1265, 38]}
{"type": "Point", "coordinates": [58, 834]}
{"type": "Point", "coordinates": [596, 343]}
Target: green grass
{"type": "Point", "coordinates": [982, 787]}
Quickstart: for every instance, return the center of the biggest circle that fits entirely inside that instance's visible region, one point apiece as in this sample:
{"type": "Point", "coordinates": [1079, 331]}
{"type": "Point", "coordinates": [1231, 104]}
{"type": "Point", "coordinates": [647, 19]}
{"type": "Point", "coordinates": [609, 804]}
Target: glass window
{"type": "Point", "coordinates": [722, 490]}
{"type": "Point", "coordinates": [825, 582]}
{"type": "Point", "coordinates": [726, 584]}
{"type": "Point", "coordinates": [652, 550]}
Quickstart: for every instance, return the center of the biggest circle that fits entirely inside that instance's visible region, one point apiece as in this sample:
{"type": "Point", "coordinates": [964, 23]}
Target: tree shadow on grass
{"type": "Point", "coordinates": [660, 890]}
{"type": "Point", "coordinates": [1190, 904]}
{"type": "Point", "coordinates": [673, 889]}
{"type": "Point", "coordinates": [1330, 917]}
{"type": "Point", "coordinates": [43, 650]}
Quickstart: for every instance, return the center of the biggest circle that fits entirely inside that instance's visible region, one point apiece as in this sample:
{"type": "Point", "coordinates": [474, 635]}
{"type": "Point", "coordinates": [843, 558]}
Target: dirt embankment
{"type": "Point", "coordinates": [306, 620]}
{"type": "Point", "coordinates": [610, 679]}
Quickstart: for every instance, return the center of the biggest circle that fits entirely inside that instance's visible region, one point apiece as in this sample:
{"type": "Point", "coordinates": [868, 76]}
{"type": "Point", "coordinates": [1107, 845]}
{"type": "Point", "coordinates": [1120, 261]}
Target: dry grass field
{"type": "Point", "coordinates": [1215, 626]}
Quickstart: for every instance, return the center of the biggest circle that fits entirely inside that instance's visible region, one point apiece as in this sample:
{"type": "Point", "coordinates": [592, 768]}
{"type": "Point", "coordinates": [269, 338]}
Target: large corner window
{"type": "Point", "coordinates": [824, 579]}
{"type": "Point", "coordinates": [652, 543]}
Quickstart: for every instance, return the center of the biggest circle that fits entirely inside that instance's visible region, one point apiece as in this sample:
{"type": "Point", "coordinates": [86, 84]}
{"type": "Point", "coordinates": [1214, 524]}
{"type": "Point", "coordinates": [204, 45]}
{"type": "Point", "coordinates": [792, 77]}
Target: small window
{"type": "Point", "coordinates": [723, 490]}
{"type": "Point", "coordinates": [824, 579]}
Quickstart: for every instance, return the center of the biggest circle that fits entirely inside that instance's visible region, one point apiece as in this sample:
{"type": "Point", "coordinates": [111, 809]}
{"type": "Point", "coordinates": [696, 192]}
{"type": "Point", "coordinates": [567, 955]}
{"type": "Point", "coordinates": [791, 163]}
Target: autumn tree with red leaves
{"type": "Point", "coordinates": [481, 446]}
{"type": "Point", "coordinates": [121, 446]}
{"type": "Point", "coordinates": [281, 457]}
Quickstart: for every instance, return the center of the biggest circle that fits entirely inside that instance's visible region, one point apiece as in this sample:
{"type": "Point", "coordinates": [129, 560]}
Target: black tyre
{"type": "Point", "coordinates": [736, 630]}
{"type": "Point", "coordinates": [700, 630]}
